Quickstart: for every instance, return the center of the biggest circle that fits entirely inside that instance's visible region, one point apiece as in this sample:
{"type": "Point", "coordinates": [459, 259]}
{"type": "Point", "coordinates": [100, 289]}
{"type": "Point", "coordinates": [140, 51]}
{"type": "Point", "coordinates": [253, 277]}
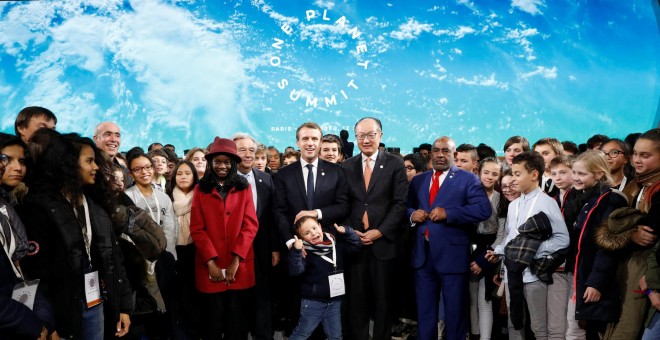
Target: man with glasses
{"type": "Point", "coordinates": [378, 188]}
{"type": "Point", "coordinates": [443, 206]}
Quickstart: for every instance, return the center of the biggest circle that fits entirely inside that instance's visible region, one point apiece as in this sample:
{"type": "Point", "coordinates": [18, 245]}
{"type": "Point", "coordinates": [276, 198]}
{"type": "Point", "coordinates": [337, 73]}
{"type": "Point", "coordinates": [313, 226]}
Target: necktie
{"type": "Point", "coordinates": [435, 186]}
{"type": "Point", "coordinates": [367, 173]}
{"type": "Point", "coordinates": [310, 186]}
{"type": "Point", "coordinates": [548, 185]}
{"type": "Point", "coordinates": [367, 178]}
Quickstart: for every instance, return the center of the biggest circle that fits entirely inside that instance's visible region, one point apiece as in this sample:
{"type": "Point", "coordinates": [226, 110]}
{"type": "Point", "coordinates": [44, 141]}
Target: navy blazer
{"type": "Point", "coordinates": [330, 196]}
{"type": "Point", "coordinates": [465, 202]}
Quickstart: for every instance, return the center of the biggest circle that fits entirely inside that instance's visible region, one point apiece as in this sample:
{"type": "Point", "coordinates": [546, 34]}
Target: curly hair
{"type": "Point", "coordinates": [233, 180]}
{"type": "Point", "coordinates": [57, 169]}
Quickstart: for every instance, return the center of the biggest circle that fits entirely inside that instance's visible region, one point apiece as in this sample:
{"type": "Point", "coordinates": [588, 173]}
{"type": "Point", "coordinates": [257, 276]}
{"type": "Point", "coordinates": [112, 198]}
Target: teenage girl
{"type": "Point", "coordinates": [595, 298]}
{"type": "Point", "coordinates": [480, 305]}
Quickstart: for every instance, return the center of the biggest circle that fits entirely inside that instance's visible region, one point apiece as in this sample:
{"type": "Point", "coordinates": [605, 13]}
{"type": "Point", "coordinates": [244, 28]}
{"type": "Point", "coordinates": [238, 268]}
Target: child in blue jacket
{"type": "Point", "coordinates": [318, 258]}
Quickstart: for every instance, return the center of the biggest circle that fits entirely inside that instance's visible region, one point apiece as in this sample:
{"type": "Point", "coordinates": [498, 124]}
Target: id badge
{"type": "Point", "coordinates": [25, 293]}
{"type": "Point", "coordinates": [92, 289]}
{"type": "Point", "coordinates": [337, 287]}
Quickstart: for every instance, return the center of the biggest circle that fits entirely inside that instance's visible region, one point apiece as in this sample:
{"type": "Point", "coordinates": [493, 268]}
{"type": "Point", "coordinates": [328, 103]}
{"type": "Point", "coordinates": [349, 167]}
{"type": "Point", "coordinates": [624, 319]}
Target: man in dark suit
{"type": "Point", "coordinates": [326, 198]}
{"type": "Point", "coordinates": [266, 242]}
{"type": "Point", "coordinates": [378, 189]}
{"type": "Point", "coordinates": [443, 204]}
{"type": "Point", "coordinates": [308, 187]}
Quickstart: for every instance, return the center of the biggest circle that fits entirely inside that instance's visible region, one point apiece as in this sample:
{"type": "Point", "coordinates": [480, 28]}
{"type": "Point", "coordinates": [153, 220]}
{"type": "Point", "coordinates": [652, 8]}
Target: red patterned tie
{"type": "Point", "coordinates": [435, 186]}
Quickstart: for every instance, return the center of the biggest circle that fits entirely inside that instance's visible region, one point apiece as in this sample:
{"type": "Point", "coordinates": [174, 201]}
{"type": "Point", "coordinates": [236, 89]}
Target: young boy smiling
{"type": "Point", "coordinates": [527, 167]}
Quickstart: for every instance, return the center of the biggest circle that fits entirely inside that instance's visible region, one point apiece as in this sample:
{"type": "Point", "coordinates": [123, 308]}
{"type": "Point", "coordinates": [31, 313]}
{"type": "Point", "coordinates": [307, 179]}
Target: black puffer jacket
{"type": "Point", "coordinates": [595, 266]}
{"type": "Point", "coordinates": [56, 255]}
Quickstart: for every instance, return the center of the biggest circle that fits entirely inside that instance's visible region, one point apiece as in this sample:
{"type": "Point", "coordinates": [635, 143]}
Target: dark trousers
{"type": "Point", "coordinates": [369, 284]}
{"type": "Point", "coordinates": [262, 316]}
{"type": "Point", "coordinates": [227, 313]}
{"type": "Point", "coordinates": [429, 283]}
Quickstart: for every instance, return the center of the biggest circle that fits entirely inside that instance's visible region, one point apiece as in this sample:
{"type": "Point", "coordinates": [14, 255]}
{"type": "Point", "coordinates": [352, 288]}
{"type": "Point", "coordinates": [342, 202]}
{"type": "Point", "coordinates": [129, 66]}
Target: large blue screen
{"type": "Point", "coordinates": [182, 72]}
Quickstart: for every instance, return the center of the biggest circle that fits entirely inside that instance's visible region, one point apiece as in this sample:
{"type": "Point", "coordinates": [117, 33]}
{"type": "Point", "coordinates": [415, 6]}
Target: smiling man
{"type": "Point", "coordinates": [107, 137]}
{"type": "Point", "coordinates": [266, 242]}
{"type": "Point", "coordinates": [377, 190]}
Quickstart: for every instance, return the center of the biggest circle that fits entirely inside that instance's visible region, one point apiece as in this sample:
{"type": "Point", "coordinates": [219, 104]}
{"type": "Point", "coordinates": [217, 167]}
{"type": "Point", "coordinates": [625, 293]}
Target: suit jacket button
{"type": "Point", "coordinates": [227, 213]}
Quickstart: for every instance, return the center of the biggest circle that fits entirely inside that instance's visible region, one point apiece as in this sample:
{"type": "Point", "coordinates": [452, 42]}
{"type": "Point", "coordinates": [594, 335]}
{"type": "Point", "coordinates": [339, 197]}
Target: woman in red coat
{"type": "Point", "coordinates": [223, 224]}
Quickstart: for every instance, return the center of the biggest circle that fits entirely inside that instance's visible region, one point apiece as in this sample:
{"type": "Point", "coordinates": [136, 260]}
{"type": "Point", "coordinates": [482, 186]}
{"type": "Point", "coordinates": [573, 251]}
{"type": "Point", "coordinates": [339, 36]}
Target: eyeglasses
{"type": "Point", "coordinates": [4, 159]}
{"type": "Point", "coordinates": [142, 168]}
{"type": "Point", "coordinates": [410, 167]}
{"type": "Point", "coordinates": [369, 136]}
{"type": "Point", "coordinates": [507, 187]}
{"type": "Point", "coordinates": [612, 153]}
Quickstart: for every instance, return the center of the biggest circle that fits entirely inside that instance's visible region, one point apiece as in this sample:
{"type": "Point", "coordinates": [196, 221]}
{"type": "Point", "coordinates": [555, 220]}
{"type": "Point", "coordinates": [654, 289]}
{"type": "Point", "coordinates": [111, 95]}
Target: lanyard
{"type": "Point", "coordinates": [529, 212]}
{"type": "Point", "coordinates": [87, 235]}
{"type": "Point", "coordinates": [88, 228]}
{"type": "Point", "coordinates": [153, 194]}
{"type": "Point", "coordinates": [12, 248]}
{"type": "Point", "coordinates": [334, 253]}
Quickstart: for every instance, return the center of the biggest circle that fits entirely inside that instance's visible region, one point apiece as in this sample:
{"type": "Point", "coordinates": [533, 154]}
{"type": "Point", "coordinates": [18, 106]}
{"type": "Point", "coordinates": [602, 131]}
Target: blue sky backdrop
{"type": "Point", "coordinates": [182, 72]}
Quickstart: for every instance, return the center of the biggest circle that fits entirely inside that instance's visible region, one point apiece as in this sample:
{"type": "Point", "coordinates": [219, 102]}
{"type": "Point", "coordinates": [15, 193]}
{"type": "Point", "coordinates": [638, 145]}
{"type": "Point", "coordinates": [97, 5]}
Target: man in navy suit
{"type": "Point", "coordinates": [443, 204]}
{"type": "Point", "coordinates": [323, 195]}
{"type": "Point", "coordinates": [308, 187]}
{"type": "Point", "coordinates": [266, 242]}
{"type": "Point", "coordinates": [378, 188]}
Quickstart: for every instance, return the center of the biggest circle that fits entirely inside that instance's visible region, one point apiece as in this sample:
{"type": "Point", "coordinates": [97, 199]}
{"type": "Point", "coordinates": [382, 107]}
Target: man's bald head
{"type": "Point", "coordinates": [442, 153]}
{"type": "Point", "coordinates": [108, 138]}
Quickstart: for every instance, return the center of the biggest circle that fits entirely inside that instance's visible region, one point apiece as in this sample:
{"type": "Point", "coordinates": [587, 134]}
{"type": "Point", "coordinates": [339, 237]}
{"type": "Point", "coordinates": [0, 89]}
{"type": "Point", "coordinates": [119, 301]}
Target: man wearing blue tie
{"type": "Point", "coordinates": [443, 205]}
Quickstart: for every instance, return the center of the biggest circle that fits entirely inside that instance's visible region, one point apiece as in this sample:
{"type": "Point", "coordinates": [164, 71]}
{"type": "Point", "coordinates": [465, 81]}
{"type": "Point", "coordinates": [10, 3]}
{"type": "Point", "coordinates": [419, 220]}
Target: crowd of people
{"type": "Point", "coordinates": [235, 239]}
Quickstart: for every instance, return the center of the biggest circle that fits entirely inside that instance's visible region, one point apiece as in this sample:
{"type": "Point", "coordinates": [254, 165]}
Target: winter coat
{"type": "Point", "coordinates": [594, 266]}
{"type": "Point", "coordinates": [57, 253]}
{"type": "Point", "coordinates": [221, 228]}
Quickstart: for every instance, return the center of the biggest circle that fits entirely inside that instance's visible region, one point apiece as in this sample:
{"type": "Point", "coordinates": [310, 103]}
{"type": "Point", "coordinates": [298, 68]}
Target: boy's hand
{"type": "Point", "coordinates": [340, 228]}
{"type": "Point", "coordinates": [492, 257]}
{"type": "Point", "coordinates": [474, 268]}
{"type": "Point", "coordinates": [298, 244]}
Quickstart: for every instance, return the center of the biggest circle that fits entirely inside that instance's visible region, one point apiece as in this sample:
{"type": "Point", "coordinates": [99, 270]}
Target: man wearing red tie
{"type": "Point", "coordinates": [443, 205]}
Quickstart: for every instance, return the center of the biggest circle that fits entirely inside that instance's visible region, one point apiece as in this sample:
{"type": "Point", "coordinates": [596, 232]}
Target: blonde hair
{"type": "Point", "coordinates": [261, 150]}
{"type": "Point", "coordinates": [595, 162]}
{"type": "Point", "coordinates": [192, 152]}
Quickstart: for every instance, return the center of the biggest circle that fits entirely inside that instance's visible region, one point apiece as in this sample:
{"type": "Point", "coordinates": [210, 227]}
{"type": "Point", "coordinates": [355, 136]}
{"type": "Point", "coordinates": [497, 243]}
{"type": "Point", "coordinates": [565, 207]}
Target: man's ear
{"type": "Point", "coordinates": [21, 131]}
